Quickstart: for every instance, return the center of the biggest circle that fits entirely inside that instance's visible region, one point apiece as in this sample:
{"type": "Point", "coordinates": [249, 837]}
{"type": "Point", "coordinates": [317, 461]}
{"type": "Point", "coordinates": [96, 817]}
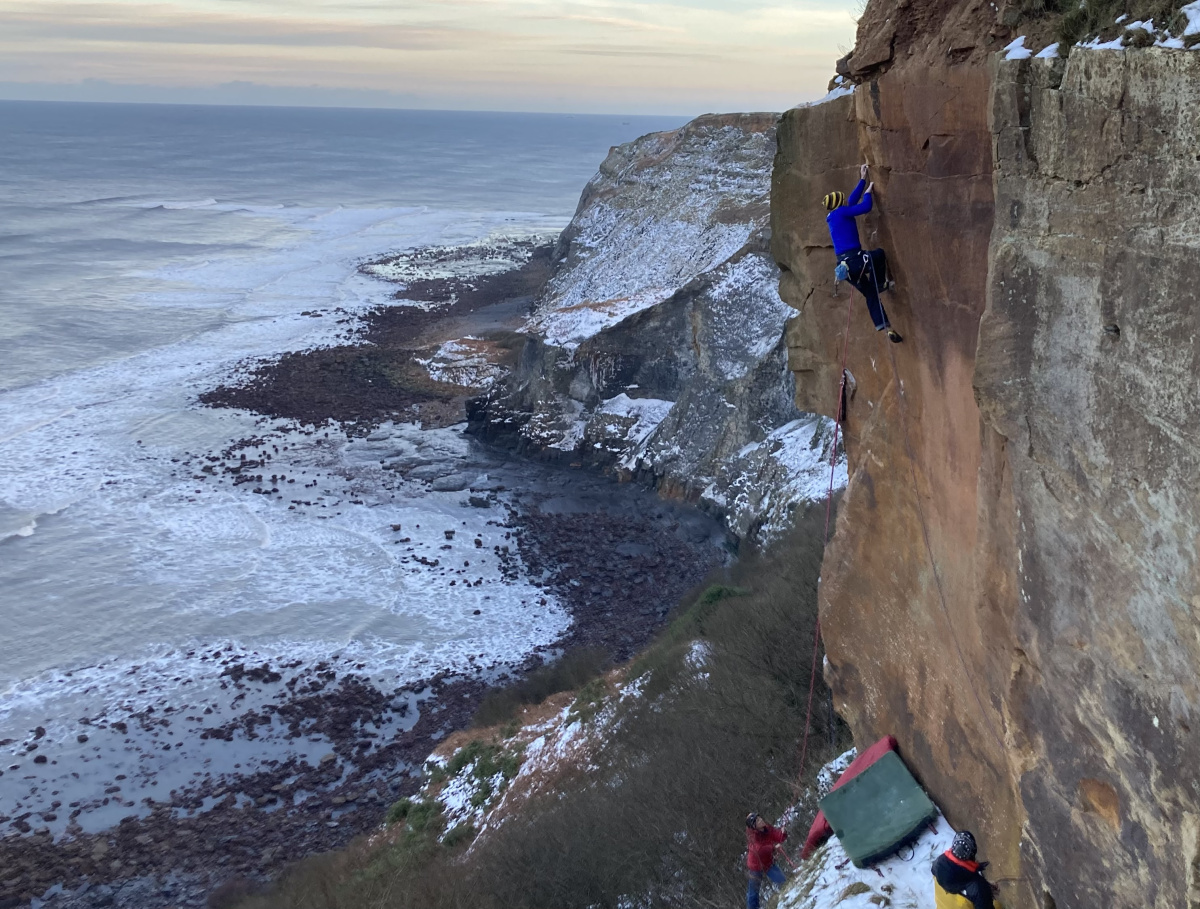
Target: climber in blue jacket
{"type": "Point", "coordinates": [867, 271]}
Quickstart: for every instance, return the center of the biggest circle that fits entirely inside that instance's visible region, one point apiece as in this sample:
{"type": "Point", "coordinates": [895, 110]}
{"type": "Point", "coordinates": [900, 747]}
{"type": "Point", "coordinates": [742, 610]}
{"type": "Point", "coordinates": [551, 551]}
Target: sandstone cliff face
{"type": "Point", "coordinates": [657, 350]}
{"type": "Point", "coordinates": [1089, 368]}
{"type": "Point", "coordinates": [1013, 588]}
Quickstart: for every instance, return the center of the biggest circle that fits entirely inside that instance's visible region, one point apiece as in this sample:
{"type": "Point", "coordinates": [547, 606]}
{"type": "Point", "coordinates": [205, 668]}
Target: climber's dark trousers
{"type": "Point", "coordinates": [869, 274]}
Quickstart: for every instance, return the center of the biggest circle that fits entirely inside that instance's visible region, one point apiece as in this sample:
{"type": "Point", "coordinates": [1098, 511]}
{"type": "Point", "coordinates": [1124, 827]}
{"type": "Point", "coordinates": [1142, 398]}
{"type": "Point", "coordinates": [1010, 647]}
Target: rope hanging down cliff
{"type": "Point", "coordinates": [837, 428]}
{"type": "Point", "coordinates": [937, 575]}
{"type": "Point", "coordinates": [902, 401]}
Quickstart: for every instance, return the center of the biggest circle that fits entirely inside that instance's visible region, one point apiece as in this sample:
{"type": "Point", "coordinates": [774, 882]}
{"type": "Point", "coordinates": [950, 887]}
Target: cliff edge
{"type": "Point", "coordinates": [657, 350]}
{"type": "Point", "coordinates": [1012, 589]}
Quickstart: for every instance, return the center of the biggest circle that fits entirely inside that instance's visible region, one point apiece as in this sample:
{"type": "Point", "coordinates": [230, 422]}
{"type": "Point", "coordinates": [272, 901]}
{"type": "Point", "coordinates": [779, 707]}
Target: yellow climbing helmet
{"type": "Point", "coordinates": [834, 200]}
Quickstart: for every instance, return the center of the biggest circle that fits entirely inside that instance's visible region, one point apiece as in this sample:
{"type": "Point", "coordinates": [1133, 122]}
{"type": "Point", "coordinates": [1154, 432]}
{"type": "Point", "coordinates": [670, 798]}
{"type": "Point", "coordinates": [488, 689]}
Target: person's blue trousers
{"type": "Point", "coordinates": [774, 874]}
{"type": "Point", "coordinates": [869, 275]}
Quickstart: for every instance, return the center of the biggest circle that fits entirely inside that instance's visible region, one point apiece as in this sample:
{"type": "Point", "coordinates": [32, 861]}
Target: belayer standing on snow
{"type": "Point", "coordinates": [957, 876]}
{"type": "Point", "coordinates": [866, 271]}
{"type": "Point", "coordinates": [761, 842]}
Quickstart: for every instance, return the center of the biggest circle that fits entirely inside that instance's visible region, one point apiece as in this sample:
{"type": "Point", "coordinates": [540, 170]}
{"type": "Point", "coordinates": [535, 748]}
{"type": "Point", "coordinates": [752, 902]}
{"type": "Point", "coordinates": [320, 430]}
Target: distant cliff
{"type": "Point", "coordinates": [657, 351]}
{"type": "Point", "coordinates": [1013, 589]}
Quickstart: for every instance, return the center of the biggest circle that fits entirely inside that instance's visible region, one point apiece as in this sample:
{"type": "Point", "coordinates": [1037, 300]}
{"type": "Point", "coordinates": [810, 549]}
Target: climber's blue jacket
{"type": "Point", "coordinates": [842, 226]}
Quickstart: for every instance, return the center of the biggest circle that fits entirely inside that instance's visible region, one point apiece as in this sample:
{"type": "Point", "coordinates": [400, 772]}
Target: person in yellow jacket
{"type": "Point", "coordinates": [958, 881]}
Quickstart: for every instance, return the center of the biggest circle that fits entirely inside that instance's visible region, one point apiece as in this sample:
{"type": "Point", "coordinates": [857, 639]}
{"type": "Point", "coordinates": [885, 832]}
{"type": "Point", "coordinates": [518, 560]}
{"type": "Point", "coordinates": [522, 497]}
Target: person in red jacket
{"type": "Point", "coordinates": [761, 842]}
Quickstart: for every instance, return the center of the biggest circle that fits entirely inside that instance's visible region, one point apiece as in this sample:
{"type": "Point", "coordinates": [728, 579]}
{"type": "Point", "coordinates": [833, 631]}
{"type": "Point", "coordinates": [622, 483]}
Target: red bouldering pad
{"type": "Point", "coordinates": [820, 830]}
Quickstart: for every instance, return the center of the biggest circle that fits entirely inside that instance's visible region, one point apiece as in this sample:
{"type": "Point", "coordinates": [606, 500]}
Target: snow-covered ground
{"type": "Point", "coordinates": [768, 480]}
{"type": "Point", "coordinates": [560, 738]}
{"type": "Point", "coordinates": [467, 362]}
{"type": "Point", "coordinates": [829, 879]}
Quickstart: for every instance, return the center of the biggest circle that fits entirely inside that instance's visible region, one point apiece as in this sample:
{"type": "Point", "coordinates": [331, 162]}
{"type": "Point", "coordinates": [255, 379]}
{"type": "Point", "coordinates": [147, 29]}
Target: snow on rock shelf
{"type": "Point", "coordinates": [662, 211]}
{"type": "Point", "coordinates": [657, 351]}
{"type": "Point", "coordinates": [467, 362]}
{"type": "Point", "coordinates": [760, 486]}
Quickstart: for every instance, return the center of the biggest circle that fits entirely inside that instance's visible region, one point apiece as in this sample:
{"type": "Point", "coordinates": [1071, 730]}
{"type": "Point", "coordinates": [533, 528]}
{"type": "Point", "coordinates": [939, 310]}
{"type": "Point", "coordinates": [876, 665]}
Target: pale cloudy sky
{"type": "Point", "coordinates": [603, 56]}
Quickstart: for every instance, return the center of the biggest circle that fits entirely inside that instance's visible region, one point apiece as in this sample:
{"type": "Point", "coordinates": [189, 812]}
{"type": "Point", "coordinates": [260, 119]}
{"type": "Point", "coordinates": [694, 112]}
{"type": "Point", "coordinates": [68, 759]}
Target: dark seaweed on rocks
{"type": "Point", "coordinates": [376, 377]}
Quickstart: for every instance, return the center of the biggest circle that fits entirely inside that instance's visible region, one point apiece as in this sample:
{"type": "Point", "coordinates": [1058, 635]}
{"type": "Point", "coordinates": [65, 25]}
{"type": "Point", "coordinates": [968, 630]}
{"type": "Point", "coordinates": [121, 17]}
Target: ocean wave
{"type": "Point", "coordinates": [16, 523]}
{"type": "Point", "coordinates": [111, 200]}
{"type": "Point", "coordinates": [19, 530]}
{"type": "Point", "coordinates": [183, 206]}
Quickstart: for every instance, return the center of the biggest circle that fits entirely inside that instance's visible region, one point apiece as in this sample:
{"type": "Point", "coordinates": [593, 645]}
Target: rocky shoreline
{"type": "Point", "coordinates": [616, 557]}
{"type": "Point", "coordinates": [379, 376]}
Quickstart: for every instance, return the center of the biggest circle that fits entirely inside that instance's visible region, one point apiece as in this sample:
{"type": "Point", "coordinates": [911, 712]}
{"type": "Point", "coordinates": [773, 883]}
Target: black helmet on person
{"type": "Point", "coordinates": [963, 847]}
{"type": "Point", "coordinates": [752, 819]}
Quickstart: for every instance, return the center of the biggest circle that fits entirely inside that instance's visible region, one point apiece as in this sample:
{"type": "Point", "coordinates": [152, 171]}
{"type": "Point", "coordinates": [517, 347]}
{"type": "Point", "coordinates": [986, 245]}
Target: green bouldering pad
{"type": "Point", "coordinates": [878, 811]}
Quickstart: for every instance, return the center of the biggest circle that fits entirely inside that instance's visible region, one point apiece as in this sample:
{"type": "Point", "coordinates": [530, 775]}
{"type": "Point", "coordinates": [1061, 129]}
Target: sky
{"type": "Point", "coordinates": [571, 56]}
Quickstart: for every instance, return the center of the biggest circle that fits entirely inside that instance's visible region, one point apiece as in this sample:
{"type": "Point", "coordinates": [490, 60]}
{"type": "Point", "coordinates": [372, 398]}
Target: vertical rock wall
{"type": "Point", "coordinates": [1089, 365]}
{"type": "Point", "coordinates": [918, 646]}
{"type": "Point", "coordinates": [1012, 587]}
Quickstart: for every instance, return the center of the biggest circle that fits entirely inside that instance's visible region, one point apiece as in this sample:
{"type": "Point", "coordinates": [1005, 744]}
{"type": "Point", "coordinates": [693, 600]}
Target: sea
{"type": "Point", "coordinates": [148, 253]}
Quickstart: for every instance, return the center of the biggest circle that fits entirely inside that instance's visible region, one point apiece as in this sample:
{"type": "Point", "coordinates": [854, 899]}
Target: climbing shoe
{"type": "Point", "coordinates": [894, 336]}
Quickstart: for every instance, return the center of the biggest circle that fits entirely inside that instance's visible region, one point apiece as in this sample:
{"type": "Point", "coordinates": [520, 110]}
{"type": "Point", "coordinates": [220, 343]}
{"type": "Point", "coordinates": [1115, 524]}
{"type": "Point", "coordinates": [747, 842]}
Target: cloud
{"type": "Point", "coordinates": [679, 55]}
{"type": "Point", "coordinates": [640, 53]}
{"type": "Point", "coordinates": [129, 23]}
{"type": "Point", "coordinates": [612, 22]}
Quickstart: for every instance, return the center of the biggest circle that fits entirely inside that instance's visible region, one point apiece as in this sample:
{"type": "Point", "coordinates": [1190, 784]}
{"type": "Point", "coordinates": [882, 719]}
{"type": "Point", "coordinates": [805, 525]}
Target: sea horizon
{"type": "Point", "coordinates": [150, 252]}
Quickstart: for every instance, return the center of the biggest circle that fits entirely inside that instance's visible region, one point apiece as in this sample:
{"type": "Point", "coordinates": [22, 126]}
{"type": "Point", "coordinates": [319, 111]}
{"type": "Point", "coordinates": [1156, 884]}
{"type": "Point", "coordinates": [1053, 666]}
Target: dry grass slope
{"type": "Point", "coordinates": [656, 820]}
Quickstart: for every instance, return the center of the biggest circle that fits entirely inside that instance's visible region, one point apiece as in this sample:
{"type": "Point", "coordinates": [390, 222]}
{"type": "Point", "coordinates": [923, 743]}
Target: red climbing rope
{"type": "Point", "coordinates": [837, 428]}
{"type": "Point", "coordinates": [902, 399]}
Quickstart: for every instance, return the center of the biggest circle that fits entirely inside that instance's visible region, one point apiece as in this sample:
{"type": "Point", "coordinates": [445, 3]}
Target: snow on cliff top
{"type": "Point", "coordinates": [663, 210]}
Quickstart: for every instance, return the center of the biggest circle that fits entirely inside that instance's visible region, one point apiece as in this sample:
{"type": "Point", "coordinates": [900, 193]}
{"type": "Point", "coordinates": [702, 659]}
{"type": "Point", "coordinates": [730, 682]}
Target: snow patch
{"type": "Point", "coordinates": [829, 774]}
{"type": "Point", "coordinates": [1162, 37]}
{"type": "Point", "coordinates": [746, 293]}
{"type": "Point", "coordinates": [767, 481]}
{"type": "Point", "coordinates": [840, 91]}
{"type": "Point", "coordinates": [664, 210]}
{"type": "Point", "coordinates": [1017, 50]}
{"type": "Point", "coordinates": [829, 879]}
{"type": "Point", "coordinates": [466, 362]}
{"type": "Point", "coordinates": [546, 749]}
{"type": "Point", "coordinates": [1192, 11]}
{"type": "Point", "coordinates": [643, 415]}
